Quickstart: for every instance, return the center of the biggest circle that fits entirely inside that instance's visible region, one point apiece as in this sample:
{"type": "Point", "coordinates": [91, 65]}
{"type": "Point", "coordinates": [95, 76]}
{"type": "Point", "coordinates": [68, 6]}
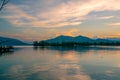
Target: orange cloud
{"type": "Point", "coordinates": [118, 34]}
{"type": "Point", "coordinates": [114, 24]}
{"type": "Point", "coordinates": [72, 32]}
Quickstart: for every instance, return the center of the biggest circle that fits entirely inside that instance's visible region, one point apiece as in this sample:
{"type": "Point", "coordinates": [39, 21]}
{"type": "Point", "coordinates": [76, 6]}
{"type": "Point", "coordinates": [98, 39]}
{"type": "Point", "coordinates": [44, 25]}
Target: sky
{"type": "Point", "coordinates": [31, 20]}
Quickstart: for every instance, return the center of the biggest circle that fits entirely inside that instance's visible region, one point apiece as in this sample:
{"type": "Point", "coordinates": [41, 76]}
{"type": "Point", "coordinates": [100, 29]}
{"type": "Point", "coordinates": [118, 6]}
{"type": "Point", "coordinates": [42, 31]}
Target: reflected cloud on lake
{"type": "Point", "coordinates": [62, 72]}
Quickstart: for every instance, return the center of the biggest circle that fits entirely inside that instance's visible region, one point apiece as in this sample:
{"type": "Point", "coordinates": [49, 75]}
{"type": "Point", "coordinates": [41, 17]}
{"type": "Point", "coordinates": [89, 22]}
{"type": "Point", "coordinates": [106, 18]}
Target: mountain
{"type": "Point", "coordinates": [60, 39]}
{"type": "Point", "coordinates": [63, 38]}
{"type": "Point", "coordinates": [79, 39]}
{"type": "Point", "coordinates": [82, 39]}
{"type": "Point", "coordinates": [73, 41]}
{"type": "Point", "coordinates": [11, 41]}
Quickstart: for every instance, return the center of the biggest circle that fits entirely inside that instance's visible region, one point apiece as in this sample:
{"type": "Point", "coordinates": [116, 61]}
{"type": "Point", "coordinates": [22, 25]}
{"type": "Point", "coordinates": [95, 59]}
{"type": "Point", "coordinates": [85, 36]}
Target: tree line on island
{"type": "Point", "coordinates": [43, 43]}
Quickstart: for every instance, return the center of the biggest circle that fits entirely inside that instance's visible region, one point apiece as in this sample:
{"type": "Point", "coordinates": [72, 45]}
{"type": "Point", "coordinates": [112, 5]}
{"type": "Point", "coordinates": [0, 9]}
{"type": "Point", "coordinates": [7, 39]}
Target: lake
{"type": "Point", "coordinates": [61, 63]}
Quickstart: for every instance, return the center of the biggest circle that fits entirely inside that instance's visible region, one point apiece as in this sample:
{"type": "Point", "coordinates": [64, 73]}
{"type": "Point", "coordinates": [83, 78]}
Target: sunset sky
{"type": "Point", "coordinates": [31, 20]}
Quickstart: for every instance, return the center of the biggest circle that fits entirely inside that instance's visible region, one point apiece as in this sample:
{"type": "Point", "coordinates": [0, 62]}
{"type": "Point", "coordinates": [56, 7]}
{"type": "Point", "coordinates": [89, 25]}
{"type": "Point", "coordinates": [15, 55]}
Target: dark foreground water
{"type": "Point", "coordinates": [61, 63]}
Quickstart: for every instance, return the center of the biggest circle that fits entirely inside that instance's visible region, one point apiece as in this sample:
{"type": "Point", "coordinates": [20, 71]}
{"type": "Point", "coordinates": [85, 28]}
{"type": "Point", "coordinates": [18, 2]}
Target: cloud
{"type": "Point", "coordinates": [57, 13]}
{"type": "Point", "coordinates": [114, 24]}
{"type": "Point", "coordinates": [72, 32]}
{"type": "Point", "coordinates": [17, 16]}
{"type": "Point", "coordinates": [106, 17]}
{"type": "Point", "coordinates": [118, 34]}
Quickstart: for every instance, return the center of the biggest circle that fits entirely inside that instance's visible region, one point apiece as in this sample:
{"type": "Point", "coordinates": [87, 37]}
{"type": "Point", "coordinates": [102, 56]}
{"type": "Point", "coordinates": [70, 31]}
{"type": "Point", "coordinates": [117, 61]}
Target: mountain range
{"type": "Point", "coordinates": [59, 39]}
{"type": "Point", "coordinates": [79, 39]}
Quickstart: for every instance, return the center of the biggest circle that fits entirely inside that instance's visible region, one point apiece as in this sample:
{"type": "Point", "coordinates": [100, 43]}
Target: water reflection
{"type": "Point", "coordinates": [62, 63]}
{"type": "Point", "coordinates": [77, 48]}
{"type": "Point", "coordinates": [6, 53]}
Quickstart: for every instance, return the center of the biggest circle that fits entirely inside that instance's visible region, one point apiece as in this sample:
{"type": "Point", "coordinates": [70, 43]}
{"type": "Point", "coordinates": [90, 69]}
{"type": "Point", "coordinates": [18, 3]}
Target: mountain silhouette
{"type": "Point", "coordinates": [4, 41]}
{"type": "Point", "coordinates": [78, 40]}
{"type": "Point", "coordinates": [62, 38]}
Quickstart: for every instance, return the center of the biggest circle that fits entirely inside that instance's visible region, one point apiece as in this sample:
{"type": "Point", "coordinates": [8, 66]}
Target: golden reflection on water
{"type": "Point", "coordinates": [69, 55]}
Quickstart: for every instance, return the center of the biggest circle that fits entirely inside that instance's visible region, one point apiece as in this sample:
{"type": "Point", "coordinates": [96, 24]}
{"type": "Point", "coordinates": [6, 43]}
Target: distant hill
{"type": "Point", "coordinates": [82, 39]}
{"type": "Point", "coordinates": [99, 40]}
{"type": "Point", "coordinates": [60, 39]}
{"type": "Point", "coordinates": [114, 39]}
{"type": "Point", "coordinates": [63, 38]}
{"type": "Point", "coordinates": [11, 41]}
{"type": "Point", "coordinates": [78, 40]}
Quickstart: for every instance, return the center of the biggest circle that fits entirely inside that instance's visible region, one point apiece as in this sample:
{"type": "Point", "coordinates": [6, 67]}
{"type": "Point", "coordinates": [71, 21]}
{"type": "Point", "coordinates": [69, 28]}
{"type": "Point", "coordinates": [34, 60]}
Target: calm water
{"type": "Point", "coordinates": [61, 63]}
